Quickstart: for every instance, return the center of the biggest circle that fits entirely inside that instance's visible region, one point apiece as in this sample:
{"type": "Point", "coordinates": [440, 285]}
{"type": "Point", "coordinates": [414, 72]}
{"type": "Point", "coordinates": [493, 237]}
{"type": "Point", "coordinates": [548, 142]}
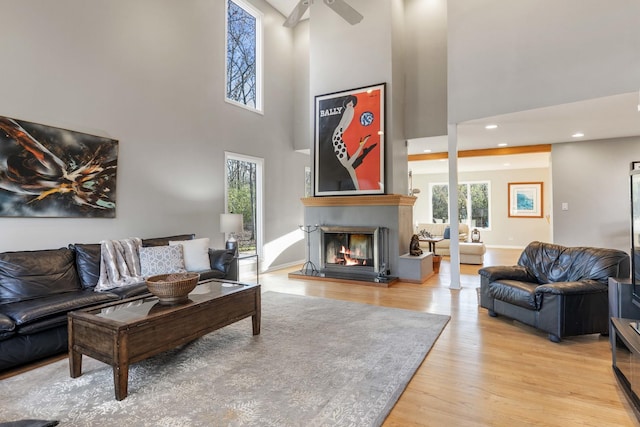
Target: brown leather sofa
{"type": "Point", "coordinates": [38, 288]}
{"type": "Point", "coordinates": [560, 290]}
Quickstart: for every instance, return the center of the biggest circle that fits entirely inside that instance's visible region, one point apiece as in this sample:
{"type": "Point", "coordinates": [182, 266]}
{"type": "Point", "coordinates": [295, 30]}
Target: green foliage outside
{"type": "Point", "coordinates": [480, 204]}
{"type": "Point", "coordinates": [241, 199]}
{"type": "Point", "coordinates": [471, 197]}
{"type": "Point", "coordinates": [440, 202]}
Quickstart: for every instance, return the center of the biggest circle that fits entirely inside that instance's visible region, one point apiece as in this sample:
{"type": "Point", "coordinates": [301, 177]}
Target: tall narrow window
{"type": "Point", "coordinates": [244, 55]}
{"type": "Point", "coordinates": [244, 196]}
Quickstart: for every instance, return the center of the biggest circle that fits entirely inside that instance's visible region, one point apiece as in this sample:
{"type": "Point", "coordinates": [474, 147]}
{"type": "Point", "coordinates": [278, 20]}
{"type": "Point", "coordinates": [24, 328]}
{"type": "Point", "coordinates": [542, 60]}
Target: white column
{"type": "Point", "coordinates": [454, 244]}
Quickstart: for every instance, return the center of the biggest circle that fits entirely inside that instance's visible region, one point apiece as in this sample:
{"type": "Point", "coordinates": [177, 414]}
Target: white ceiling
{"type": "Point", "coordinates": [284, 6]}
{"type": "Point", "coordinates": [602, 118]}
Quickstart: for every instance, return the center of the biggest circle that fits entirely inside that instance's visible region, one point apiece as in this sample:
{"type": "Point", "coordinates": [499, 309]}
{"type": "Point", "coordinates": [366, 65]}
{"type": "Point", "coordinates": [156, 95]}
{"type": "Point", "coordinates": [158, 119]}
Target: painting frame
{"type": "Point", "coordinates": [349, 142]}
{"type": "Point", "coordinates": [52, 172]}
{"type": "Point", "coordinates": [526, 199]}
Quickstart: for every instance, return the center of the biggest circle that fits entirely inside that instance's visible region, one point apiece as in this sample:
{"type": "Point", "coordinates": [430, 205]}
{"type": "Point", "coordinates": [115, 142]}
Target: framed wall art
{"type": "Point", "coordinates": [525, 199]}
{"type": "Point", "coordinates": [349, 142]}
{"type": "Point", "coordinates": [46, 171]}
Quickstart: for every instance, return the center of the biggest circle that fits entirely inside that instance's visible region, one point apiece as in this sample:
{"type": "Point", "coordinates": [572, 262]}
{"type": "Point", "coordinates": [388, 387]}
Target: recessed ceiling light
{"type": "Point", "coordinates": [577, 135]}
{"type": "Point", "coordinates": [491, 126]}
{"type": "Point", "coordinates": [502, 144]}
{"type": "Point", "coordinates": [443, 160]}
{"type": "Point", "coordinates": [506, 164]}
{"type": "Point", "coordinates": [426, 151]}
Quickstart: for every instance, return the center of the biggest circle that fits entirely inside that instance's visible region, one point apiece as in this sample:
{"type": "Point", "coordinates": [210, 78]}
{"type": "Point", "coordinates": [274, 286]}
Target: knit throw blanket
{"type": "Point", "coordinates": [119, 263]}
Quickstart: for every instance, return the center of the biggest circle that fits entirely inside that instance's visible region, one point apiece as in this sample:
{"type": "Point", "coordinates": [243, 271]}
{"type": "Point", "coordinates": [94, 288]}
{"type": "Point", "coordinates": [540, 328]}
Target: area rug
{"type": "Point", "coordinates": [317, 362]}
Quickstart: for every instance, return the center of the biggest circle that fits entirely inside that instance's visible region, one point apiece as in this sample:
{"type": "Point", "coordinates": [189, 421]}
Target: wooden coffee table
{"type": "Point", "coordinates": [137, 328]}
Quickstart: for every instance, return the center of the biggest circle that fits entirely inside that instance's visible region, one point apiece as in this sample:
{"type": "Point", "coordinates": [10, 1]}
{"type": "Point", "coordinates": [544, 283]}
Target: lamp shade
{"type": "Point", "coordinates": [230, 223]}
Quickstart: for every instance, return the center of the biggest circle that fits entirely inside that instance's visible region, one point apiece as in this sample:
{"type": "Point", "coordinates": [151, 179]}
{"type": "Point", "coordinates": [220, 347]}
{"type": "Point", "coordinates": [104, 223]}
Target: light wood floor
{"type": "Point", "coordinates": [486, 371]}
{"type": "Point", "coordinates": [483, 371]}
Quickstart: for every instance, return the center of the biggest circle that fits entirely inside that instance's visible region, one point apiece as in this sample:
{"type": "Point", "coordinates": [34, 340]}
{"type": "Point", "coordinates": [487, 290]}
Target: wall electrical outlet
{"type": "Point", "coordinates": [565, 206]}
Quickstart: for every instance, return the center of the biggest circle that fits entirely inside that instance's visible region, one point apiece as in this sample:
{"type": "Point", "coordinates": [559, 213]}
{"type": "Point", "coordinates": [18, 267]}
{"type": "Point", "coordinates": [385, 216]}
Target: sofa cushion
{"type": "Point", "coordinates": [7, 326]}
{"type": "Point", "coordinates": [87, 263]}
{"type": "Point", "coordinates": [164, 241]}
{"type": "Point", "coordinates": [34, 310]}
{"type": "Point", "coordinates": [438, 230]}
{"type": "Point", "coordinates": [196, 253]}
{"type": "Point", "coordinates": [33, 274]}
{"type": "Point", "coordinates": [447, 233]}
{"type": "Point", "coordinates": [551, 263]}
{"type": "Point", "coordinates": [515, 292]}
{"type": "Point", "coordinates": [130, 291]}
{"type": "Point", "coordinates": [161, 260]}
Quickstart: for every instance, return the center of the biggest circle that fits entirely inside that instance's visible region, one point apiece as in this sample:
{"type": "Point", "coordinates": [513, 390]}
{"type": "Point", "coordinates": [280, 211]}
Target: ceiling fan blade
{"type": "Point", "coordinates": [348, 13]}
{"type": "Point", "coordinates": [296, 14]}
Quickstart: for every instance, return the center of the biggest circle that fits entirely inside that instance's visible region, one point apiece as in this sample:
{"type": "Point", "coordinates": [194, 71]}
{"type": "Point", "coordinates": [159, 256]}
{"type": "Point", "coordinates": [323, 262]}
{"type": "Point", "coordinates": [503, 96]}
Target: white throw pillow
{"type": "Point", "coordinates": [196, 253]}
{"type": "Point", "coordinates": [161, 260]}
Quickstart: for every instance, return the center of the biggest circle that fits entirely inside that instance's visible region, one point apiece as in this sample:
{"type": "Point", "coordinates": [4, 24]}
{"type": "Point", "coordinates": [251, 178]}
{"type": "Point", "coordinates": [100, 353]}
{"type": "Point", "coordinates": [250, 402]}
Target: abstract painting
{"type": "Point", "coordinates": [349, 142]}
{"type": "Point", "coordinates": [46, 171]}
{"type": "Point", "coordinates": [525, 199]}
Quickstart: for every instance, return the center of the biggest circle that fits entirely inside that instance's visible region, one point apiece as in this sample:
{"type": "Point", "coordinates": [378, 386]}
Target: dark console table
{"type": "Point", "coordinates": [626, 359]}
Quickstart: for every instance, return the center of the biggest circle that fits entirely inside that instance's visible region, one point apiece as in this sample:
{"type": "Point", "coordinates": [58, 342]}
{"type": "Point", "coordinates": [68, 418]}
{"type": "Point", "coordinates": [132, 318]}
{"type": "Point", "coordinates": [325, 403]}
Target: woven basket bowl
{"type": "Point", "coordinates": [172, 288]}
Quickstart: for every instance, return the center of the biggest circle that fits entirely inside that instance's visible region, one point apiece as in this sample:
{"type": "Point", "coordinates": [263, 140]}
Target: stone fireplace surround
{"type": "Point", "coordinates": [391, 211]}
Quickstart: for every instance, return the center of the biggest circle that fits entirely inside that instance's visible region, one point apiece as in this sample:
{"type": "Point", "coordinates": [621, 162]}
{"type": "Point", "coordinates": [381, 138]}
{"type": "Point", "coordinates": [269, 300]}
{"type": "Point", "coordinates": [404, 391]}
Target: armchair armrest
{"type": "Point", "coordinates": [6, 324]}
{"type": "Point", "coordinates": [515, 272]}
{"type": "Point", "coordinates": [224, 261]}
{"type": "Point", "coordinates": [572, 288]}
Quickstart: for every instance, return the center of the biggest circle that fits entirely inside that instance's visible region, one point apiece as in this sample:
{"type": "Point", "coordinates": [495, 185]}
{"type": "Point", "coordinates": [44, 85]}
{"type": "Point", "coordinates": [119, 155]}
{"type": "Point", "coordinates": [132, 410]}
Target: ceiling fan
{"type": "Point", "coordinates": [340, 7]}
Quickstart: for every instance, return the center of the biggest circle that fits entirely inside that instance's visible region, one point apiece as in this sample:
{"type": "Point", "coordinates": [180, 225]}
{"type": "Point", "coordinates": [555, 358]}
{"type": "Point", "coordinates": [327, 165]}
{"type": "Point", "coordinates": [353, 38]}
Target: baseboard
{"type": "Point", "coordinates": [504, 247]}
{"type": "Point", "coordinates": [273, 268]}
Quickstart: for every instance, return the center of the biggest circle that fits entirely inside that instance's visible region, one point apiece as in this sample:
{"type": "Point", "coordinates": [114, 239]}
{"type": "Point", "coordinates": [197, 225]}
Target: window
{"type": "Point", "coordinates": [473, 198]}
{"type": "Point", "coordinates": [244, 196]}
{"type": "Point", "coordinates": [244, 55]}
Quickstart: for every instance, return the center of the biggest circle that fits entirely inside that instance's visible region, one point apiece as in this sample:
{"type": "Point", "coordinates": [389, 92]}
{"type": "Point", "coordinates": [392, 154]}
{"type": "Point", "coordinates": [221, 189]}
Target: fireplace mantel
{"type": "Point", "coordinates": [392, 212]}
{"type": "Point", "coordinates": [373, 200]}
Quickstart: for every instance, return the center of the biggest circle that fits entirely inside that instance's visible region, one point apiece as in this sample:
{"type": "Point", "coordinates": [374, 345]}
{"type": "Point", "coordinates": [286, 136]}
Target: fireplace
{"type": "Point", "coordinates": [353, 251]}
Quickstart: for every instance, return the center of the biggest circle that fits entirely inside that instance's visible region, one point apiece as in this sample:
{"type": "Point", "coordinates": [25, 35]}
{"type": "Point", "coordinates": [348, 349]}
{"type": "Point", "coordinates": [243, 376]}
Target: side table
{"type": "Point", "coordinates": [432, 242]}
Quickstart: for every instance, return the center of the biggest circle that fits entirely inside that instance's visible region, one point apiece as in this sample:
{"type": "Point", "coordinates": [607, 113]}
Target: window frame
{"type": "Point", "coordinates": [259, 223]}
{"type": "Point", "coordinates": [469, 206]}
{"type": "Point", "coordinates": [258, 15]}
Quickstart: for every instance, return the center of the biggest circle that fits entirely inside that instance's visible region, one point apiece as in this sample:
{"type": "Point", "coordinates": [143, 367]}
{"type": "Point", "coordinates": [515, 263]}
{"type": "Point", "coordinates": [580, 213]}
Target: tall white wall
{"type": "Point", "coordinates": [425, 68]}
{"type": "Point", "coordinates": [344, 56]}
{"type": "Point", "coordinates": [303, 102]}
{"type": "Point", "coordinates": [507, 56]}
{"type": "Point", "coordinates": [150, 73]}
{"type": "Point", "coordinates": [592, 177]}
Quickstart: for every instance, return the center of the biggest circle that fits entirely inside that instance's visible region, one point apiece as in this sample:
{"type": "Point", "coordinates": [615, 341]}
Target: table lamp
{"type": "Point", "coordinates": [232, 224]}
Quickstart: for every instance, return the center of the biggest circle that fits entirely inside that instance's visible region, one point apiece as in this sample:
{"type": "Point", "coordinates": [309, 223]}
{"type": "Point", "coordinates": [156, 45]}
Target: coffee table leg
{"type": "Point", "coordinates": [75, 363]}
{"type": "Point", "coordinates": [255, 319]}
{"type": "Point", "coordinates": [75, 357]}
{"type": "Point", "coordinates": [121, 365]}
{"type": "Point", "coordinates": [121, 380]}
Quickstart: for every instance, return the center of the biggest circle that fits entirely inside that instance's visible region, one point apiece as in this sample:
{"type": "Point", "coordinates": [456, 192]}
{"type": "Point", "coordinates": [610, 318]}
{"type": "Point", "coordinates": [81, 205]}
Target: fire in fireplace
{"type": "Point", "coordinates": [350, 249]}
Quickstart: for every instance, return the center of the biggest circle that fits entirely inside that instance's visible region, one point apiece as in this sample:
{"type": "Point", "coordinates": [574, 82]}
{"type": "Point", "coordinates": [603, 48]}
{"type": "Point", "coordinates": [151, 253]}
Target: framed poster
{"type": "Point", "coordinates": [349, 142]}
{"type": "Point", "coordinates": [525, 199]}
{"type": "Point", "coordinates": [46, 171]}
